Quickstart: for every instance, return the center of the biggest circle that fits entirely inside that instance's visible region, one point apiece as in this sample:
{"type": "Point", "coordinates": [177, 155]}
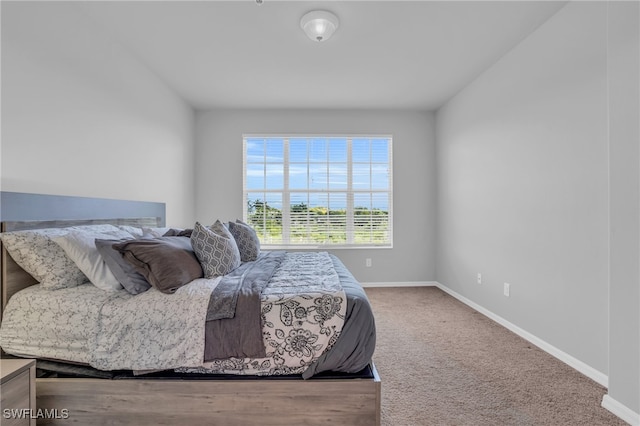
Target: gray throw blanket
{"type": "Point", "coordinates": [234, 325]}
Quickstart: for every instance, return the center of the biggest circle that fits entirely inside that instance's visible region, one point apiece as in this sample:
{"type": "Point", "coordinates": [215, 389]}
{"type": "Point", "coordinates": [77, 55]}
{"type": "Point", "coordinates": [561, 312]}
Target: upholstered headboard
{"type": "Point", "coordinates": [20, 211]}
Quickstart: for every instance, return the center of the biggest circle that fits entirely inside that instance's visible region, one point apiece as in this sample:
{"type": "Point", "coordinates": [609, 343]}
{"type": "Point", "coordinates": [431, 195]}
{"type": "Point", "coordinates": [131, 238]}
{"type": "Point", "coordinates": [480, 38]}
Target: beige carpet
{"type": "Point", "coordinates": [442, 363]}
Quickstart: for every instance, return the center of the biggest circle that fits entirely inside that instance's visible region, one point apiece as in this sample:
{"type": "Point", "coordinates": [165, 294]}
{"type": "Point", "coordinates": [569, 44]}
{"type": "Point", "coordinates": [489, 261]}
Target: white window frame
{"type": "Point", "coordinates": [350, 191]}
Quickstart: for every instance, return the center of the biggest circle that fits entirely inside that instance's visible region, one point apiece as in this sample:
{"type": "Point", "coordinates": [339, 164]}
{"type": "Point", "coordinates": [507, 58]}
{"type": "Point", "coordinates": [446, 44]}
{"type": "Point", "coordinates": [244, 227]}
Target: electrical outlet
{"type": "Point", "coordinates": [368, 262]}
{"type": "Point", "coordinates": [507, 289]}
{"type": "Point", "coordinates": [479, 278]}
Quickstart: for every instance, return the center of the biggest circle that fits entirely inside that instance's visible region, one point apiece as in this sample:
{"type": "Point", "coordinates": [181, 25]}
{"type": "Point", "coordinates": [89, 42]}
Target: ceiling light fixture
{"type": "Point", "coordinates": [319, 25]}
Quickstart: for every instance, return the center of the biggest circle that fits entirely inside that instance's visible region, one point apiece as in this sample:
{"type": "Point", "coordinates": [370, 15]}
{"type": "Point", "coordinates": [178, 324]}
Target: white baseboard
{"type": "Point", "coordinates": [621, 410]}
{"type": "Point", "coordinates": [401, 284]}
{"type": "Point", "coordinates": [575, 363]}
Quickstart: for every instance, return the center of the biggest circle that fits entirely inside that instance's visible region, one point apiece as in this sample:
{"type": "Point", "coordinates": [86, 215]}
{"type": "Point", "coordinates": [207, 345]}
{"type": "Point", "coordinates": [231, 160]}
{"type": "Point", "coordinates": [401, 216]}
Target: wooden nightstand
{"type": "Point", "coordinates": [18, 392]}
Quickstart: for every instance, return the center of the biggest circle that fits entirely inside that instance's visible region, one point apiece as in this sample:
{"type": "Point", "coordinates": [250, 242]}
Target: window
{"type": "Point", "coordinates": [319, 191]}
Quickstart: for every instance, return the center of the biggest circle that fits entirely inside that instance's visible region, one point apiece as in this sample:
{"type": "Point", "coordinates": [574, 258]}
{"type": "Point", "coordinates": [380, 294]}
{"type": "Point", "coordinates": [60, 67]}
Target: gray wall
{"type": "Point", "coordinates": [81, 116]}
{"type": "Point", "coordinates": [523, 186]}
{"type": "Point", "coordinates": [412, 258]}
{"type": "Point", "coordinates": [624, 160]}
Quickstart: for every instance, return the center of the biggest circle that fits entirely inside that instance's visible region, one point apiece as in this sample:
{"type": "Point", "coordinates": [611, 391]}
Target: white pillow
{"type": "Point", "coordinates": [154, 232]}
{"type": "Point", "coordinates": [136, 232]}
{"type": "Point", "coordinates": [43, 259]}
{"type": "Point", "coordinates": [80, 247]}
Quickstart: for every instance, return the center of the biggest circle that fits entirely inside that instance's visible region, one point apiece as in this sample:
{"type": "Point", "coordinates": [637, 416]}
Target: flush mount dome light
{"type": "Point", "coordinates": [319, 25]}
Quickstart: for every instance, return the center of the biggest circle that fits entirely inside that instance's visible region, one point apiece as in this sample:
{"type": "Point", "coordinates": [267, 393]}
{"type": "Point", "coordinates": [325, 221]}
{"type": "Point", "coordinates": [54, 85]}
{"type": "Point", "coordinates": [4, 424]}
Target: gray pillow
{"type": "Point", "coordinates": [168, 263]}
{"type": "Point", "coordinates": [124, 271]}
{"type": "Point", "coordinates": [246, 239]}
{"type": "Point", "coordinates": [173, 232]}
{"type": "Point", "coordinates": [216, 249]}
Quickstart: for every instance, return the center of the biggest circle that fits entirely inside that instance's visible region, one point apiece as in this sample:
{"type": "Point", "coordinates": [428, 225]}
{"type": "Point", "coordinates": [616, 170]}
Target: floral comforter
{"type": "Point", "coordinates": [303, 310]}
{"type": "Point", "coordinates": [302, 313]}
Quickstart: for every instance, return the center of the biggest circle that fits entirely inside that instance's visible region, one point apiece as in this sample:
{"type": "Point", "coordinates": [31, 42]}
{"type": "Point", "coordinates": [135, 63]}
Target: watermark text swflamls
{"type": "Point", "coordinates": [29, 413]}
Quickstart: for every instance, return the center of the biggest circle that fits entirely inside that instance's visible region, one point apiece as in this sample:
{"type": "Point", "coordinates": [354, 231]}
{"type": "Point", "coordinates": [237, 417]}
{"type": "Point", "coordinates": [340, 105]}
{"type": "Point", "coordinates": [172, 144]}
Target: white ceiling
{"type": "Point", "coordinates": [385, 54]}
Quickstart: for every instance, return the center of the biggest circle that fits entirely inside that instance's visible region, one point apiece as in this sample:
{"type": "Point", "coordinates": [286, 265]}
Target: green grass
{"type": "Point", "coordinates": [324, 229]}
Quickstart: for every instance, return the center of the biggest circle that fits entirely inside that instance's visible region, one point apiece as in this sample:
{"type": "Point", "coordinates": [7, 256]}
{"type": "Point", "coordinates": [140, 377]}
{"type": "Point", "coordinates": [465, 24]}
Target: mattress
{"type": "Point", "coordinates": [63, 325]}
{"type": "Point", "coordinates": [40, 323]}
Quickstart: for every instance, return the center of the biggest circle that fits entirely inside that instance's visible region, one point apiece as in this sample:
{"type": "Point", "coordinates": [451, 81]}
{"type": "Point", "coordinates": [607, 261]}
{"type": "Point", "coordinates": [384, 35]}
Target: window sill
{"type": "Point", "coordinates": [324, 247]}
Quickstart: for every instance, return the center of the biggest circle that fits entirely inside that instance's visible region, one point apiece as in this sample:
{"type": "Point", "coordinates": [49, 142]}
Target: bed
{"type": "Point", "coordinates": [190, 395]}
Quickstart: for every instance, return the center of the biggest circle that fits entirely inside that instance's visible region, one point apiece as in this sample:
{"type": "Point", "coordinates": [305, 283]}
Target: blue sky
{"type": "Point", "coordinates": [319, 164]}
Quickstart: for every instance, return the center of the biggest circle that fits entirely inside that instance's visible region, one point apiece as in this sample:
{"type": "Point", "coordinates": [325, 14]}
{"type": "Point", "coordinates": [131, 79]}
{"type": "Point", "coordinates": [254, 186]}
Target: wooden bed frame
{"type": "Point", "coordinates": [143, 401]}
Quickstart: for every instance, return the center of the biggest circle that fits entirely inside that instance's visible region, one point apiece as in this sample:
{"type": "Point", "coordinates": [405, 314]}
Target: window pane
{"type": "Point", "coordinates": [274, 202]}
{"type": "Point", "coordinates": [337, 218]}
{"type": "Point", "coordinates": [338, 150]}
{"type": "Point", "coordinates": [379, 151]}
{"type": "Point", "coordinates": [337, 203]}
{"type": "Point", "coordinates": [338, 176]}
{"type": "Point", "coordinates": [265, 215]}
{"type": "Point", "coordinates": [318, 201]}
{"type": "Point", "coordinates": [256, 212]}
{"type": "Point", "coordinates": [298, 150]}
{"type": "Point", "coordinates": [379, 176]}
{"type": "Point", "coordinates": [318, 176]}
{"type": "Point", "coordinates": [318, 213]}
{"type": "Point", "coordinates": [361, 202]}
{"type": "Point", "coordinates": [255, 176]}
{"type": "Point", "coordinates": [254, 200]}
{"type": "Point", "coordinates": [275, 150]}
{"type": "Point", "coordinates": [318, 150]}
{"type": "Point", "coordinates": [299, 201]}
{"type": "Point", "coordinates": [298, 176]}
{"type": "Point", "coordinates": [361, 176]}
{"type": "Point", "coordinates": [380, 201]}
{"type": "Point", "coordinates": [299, 209]}
{"type": "Point", "coordinates": [275, 176]}
{"type": "Point", "coordinates": [255, 150]}
{"type": "Point", "coordinates": [371, 220]}
{"type": "Point", "coordinates": [362, 217]}
{"type": "Point", "coordinates": [360, 151]}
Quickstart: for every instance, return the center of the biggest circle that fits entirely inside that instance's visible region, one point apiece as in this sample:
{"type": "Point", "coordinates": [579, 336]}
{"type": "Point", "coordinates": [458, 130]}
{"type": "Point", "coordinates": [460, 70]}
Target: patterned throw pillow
{"type": "Point", "coordinates": [36, 253]}
{"type": "Point", "coordinates": [216, 249]}
{"type": "Point", "coordinates": [246, 239]}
